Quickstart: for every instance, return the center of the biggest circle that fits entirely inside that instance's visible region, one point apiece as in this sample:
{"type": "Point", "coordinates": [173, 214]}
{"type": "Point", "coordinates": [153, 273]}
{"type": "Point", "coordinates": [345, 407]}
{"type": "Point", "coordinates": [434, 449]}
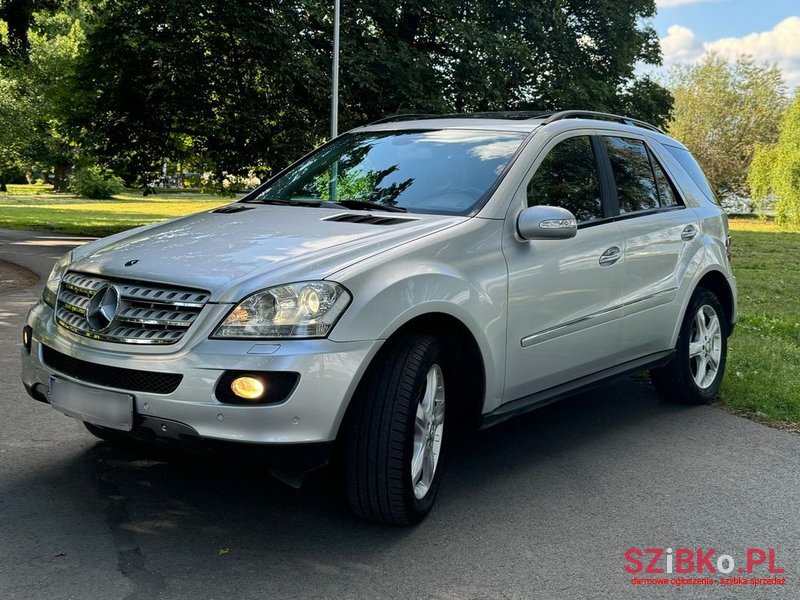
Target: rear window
{"type": "Point", "coordinates": [687, 161]}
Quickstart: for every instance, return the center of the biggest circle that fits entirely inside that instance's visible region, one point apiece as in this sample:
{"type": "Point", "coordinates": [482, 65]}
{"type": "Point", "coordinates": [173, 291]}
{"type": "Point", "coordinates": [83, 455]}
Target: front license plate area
{"type": "Point", "coordinates": [101, 407]}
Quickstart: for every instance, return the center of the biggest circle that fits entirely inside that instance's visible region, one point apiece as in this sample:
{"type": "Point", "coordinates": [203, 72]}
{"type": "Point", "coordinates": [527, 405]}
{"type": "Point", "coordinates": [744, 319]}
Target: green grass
{"type": "Point", "coordinates": [37, 208]}
{"type": "Point", "coordinates": [763, 373]}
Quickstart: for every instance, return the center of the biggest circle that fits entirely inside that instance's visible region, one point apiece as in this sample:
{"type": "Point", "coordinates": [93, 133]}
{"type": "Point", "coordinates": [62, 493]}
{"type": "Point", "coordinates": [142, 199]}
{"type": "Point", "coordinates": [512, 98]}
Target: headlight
{"type": "Point", "coordinates": [51, 288]}
{"type": "Point", "coordinates": [308, 309]}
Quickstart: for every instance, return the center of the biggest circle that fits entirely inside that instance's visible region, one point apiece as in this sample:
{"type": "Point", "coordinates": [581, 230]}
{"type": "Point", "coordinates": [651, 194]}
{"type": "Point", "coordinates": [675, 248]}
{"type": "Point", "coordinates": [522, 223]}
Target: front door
{"type": "Point", "coordinates": [564, 295]}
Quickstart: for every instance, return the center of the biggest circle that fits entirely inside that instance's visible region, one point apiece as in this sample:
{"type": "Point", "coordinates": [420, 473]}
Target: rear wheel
{"type": "Point", "coordinates": [396, 435]}
{"type": "Point", "coordinates": [695, 373]}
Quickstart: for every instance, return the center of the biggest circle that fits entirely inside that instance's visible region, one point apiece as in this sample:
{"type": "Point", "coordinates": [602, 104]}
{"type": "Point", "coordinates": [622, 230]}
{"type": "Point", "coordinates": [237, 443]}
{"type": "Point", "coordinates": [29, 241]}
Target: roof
{"type": "Point", "coordinates": [522, 121]}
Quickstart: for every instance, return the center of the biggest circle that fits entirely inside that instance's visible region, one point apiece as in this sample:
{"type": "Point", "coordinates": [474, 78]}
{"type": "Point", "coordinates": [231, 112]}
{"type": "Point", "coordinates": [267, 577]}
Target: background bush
{"type": "Point", "coordinates": [97, 183]}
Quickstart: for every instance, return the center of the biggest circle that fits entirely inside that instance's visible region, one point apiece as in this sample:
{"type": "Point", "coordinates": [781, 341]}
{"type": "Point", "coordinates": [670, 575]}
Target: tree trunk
{"type": "Point", "coordinates": [60, 181]}
{"type": "Point", "coordinates": [3, 187]}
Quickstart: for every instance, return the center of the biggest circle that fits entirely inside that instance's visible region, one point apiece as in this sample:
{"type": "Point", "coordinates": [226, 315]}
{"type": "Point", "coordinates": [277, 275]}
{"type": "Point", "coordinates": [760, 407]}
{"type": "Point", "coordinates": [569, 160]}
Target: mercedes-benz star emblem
{"type": "Point", "coordinates": [102, 308]}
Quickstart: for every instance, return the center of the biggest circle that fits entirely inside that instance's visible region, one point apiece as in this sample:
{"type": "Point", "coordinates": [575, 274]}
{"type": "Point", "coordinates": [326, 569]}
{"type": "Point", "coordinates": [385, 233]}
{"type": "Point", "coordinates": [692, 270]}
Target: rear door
{"type": "Point", "coordinates": [660, 236]}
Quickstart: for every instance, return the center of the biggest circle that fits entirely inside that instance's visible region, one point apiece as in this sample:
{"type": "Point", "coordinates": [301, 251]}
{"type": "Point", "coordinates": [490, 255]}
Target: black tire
{"type": "Point", "coordinates": [380, 433]}
{"type": "Point", "coordinates": [676, 382]}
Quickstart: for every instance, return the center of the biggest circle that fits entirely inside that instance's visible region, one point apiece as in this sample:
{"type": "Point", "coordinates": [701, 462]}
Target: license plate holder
{"type": "Point", "coordinates": [97, 406]}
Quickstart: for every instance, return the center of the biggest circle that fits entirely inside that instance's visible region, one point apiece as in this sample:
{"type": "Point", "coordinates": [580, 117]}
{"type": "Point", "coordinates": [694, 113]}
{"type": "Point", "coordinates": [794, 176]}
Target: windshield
{"type": "Point", "coordinates": [443, 171]}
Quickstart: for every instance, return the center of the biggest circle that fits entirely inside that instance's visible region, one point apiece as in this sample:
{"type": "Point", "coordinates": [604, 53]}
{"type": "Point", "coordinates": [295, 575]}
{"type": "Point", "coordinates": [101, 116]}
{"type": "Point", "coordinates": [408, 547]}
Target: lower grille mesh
{"type": "Point", "coordinates": [116, 377]}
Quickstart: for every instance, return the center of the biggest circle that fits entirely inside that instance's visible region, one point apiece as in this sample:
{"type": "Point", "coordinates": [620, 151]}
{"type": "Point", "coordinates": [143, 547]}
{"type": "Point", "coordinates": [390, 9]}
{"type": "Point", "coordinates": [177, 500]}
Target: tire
{"type": "Point", "coordinates": [394, 452]}
{"type": "Point", "coordinates": [695, 373]}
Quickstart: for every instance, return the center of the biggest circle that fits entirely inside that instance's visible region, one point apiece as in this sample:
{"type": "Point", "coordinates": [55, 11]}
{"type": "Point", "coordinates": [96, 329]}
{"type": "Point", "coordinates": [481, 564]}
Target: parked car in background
{"type": "Point", "coordinates": [408, 276]}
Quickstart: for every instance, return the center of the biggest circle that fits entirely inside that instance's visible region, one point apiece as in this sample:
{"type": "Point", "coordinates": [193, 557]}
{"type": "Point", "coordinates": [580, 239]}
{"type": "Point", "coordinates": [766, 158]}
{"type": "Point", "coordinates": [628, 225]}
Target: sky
{"type": "Point", "coordinates": [769, 30]}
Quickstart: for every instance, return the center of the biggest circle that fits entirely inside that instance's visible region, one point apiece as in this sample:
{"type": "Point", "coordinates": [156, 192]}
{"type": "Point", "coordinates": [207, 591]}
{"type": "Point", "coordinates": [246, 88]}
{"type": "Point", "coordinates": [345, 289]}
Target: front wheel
{"type": "Point", "coordinates": [396, 434]}
{"type": "Point", "coordinates": [695, 373]}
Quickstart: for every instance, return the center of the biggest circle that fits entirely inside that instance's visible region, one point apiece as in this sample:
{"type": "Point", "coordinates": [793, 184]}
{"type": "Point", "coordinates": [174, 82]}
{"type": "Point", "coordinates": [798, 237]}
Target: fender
{"type": "Point", "coordinates": [702, 264]}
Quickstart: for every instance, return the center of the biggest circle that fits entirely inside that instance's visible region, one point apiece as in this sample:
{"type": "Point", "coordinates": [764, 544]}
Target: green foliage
{"type": "Point", "coordinates": [237, 85]}
{"type": "Point", "coordinates": [232, 87]}
{"type": "Point", "coordinates": [722, 112]}
{"type": "Point", "coordinates": [775, 170]}
{"type": "Point", "coordinates": [16, 134]}
{"type": "Point", "coordinates": [97, 183]}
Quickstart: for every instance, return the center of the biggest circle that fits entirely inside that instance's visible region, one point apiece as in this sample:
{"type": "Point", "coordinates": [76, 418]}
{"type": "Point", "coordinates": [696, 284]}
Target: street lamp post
{"type": "Point", "coordinates": [335, 98]}
{"type": "Point", "coordinates": [335, 74]}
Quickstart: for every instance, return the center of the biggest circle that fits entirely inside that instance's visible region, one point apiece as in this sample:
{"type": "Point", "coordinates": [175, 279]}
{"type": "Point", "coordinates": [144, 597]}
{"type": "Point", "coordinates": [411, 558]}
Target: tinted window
{"type": "Point", "coordinates": [666, 193]}
{"type": "Point", "coordinates": [437, 171]}
{"type": "Point", "coordinates": [693, 169]}
{"type": "Point", "coordinates": [568, 178]}
{"type": "Point", "coordinates": [636, 185]}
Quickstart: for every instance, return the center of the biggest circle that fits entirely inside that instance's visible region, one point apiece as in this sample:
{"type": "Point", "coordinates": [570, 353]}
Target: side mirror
{"type": "Point", "coordinates": [546, 223]}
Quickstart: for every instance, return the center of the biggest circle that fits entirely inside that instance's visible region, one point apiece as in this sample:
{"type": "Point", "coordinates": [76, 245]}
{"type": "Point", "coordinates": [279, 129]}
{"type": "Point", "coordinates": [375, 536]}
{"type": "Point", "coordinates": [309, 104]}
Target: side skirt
{"type": "Point", "coordinates": [553, 394]}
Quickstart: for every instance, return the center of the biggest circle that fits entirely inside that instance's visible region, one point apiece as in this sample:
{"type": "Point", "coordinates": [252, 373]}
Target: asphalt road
{"type": "Point", "coordinates": [542, 507]}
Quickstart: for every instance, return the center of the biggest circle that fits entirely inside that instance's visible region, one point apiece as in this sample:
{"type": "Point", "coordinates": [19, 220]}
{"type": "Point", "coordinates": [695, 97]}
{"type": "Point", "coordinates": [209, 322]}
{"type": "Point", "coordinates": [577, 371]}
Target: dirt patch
{"type": "Point", "coordinates": [13, 277]}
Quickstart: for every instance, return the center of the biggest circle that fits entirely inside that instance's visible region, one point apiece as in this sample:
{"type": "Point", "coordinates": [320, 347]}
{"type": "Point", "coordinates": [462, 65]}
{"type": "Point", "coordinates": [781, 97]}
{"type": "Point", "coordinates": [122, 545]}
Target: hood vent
{"type": "Point", "coordinates": [368, 219]}
{"type": "Point", "coordinates": [232, 208]}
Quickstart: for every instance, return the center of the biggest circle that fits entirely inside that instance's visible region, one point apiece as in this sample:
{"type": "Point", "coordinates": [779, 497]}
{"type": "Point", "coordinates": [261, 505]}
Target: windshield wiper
{"type": "Point", "coordinates": [363, 205]}
{"type": "Point", "coordinates": [356, 204]}
{"type": "Point", "coordinates": [281, 202]}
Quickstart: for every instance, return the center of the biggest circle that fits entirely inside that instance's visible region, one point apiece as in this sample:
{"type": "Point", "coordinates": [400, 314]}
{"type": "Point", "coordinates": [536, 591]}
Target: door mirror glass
{"type": "Point", "coordinates": [546, 223]}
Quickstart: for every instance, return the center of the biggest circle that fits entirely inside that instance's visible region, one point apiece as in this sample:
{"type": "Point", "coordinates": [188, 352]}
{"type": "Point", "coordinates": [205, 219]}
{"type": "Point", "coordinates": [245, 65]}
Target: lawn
{"type": "Point", "coordinates": [35, 207]}
{"type": "Point", "coordinates": [763, 373]}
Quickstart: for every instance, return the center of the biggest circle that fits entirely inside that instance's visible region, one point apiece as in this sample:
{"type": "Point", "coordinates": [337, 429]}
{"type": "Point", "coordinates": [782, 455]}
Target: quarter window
{"type": "Point", "coordinates": [666, 193]}
{"type": "Point", "coordinates": [568, 178]}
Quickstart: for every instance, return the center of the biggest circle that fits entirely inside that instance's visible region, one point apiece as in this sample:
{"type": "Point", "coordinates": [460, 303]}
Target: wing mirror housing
{"type": "Point", "coordinates": [546, 223]}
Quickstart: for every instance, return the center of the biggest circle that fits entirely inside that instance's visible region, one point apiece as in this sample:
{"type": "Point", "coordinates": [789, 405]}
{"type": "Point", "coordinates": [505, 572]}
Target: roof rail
{"type": "Point", "coordinates": [516, 115]}
{"type": "Point", "coordinates": [601, 116]}
{"type": "Point", "coordinates": [403, 117]}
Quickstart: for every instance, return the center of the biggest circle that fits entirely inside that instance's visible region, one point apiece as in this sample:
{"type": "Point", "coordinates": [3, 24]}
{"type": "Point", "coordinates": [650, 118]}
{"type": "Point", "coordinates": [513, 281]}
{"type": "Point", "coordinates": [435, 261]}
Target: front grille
{"type": "Point", "coordinates": [146, 313]}
{"type": "Point", "coordinates": [116, 377]}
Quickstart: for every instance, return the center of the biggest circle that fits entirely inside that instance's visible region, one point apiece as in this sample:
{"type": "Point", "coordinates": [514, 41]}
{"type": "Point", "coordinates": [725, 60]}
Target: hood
{"type": "Point", "coordinates": [275, 244]}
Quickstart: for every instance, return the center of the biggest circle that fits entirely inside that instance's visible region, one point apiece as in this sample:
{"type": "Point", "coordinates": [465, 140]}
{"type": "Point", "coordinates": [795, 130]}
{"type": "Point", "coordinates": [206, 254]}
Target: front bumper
{"type": "Point", "coordinates": [311, 415]}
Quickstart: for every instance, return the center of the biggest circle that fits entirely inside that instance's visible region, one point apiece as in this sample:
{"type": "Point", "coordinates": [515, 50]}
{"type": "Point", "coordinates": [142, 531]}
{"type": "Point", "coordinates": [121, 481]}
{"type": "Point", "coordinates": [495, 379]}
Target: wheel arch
{"type": "Point", "coordinates": [717, 282]}
{"type": "Point", "coordinates": [460, 342]}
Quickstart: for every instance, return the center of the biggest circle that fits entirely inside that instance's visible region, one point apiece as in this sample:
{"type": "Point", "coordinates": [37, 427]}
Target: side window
{"type": "Point", "coordinates": [568, 178]}
{"type": "Point", "coordinates": [666, 193]}
{"type": "Point", "coordinates": [630, 163]}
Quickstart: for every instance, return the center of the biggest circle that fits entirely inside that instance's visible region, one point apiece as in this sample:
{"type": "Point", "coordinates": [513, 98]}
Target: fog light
{"type": "Point", "coordinates": [249, 388]}
{"type": "Point", "coordinates": [27, 337]}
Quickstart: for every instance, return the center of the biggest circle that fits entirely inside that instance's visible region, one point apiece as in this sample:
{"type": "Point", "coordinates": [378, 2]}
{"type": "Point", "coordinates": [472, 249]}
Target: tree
{"type": "Point", "coordinates": [16, 117]}
{"type": "Point", "coordinates": [722, 111]}
{"type": "Point", "coordinates": [478, 55]}
{"type": "Point", "coordinates": [242, 84]}
{"type": "Point", "coordinates": [775, 170]}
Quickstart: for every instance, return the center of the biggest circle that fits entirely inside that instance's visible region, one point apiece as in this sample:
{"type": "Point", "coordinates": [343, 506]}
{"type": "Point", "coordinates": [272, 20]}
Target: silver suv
{"type": "Point", "coordinates": [407, 277]}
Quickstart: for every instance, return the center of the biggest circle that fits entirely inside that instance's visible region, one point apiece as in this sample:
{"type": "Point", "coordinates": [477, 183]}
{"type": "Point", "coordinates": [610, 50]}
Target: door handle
{"type": "Point", "coordinates": [688, 233]}
{"type": "Point", "coordinates": [610, 256]}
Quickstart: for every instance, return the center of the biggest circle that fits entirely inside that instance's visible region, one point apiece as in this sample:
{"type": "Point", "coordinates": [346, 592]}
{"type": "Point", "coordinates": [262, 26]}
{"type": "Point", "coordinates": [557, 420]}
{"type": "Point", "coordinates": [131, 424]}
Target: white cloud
{"type": "Point", "coordinates": [681, 45]}
{"type": "Point", "coordinates": [780, 45]}
{"type": "Point", "coordinates": [671, 3]}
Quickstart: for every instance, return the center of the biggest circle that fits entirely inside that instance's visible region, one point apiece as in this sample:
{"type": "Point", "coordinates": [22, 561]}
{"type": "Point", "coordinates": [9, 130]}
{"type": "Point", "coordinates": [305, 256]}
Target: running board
{"type": "Point", "coordinates": [548, 396]}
